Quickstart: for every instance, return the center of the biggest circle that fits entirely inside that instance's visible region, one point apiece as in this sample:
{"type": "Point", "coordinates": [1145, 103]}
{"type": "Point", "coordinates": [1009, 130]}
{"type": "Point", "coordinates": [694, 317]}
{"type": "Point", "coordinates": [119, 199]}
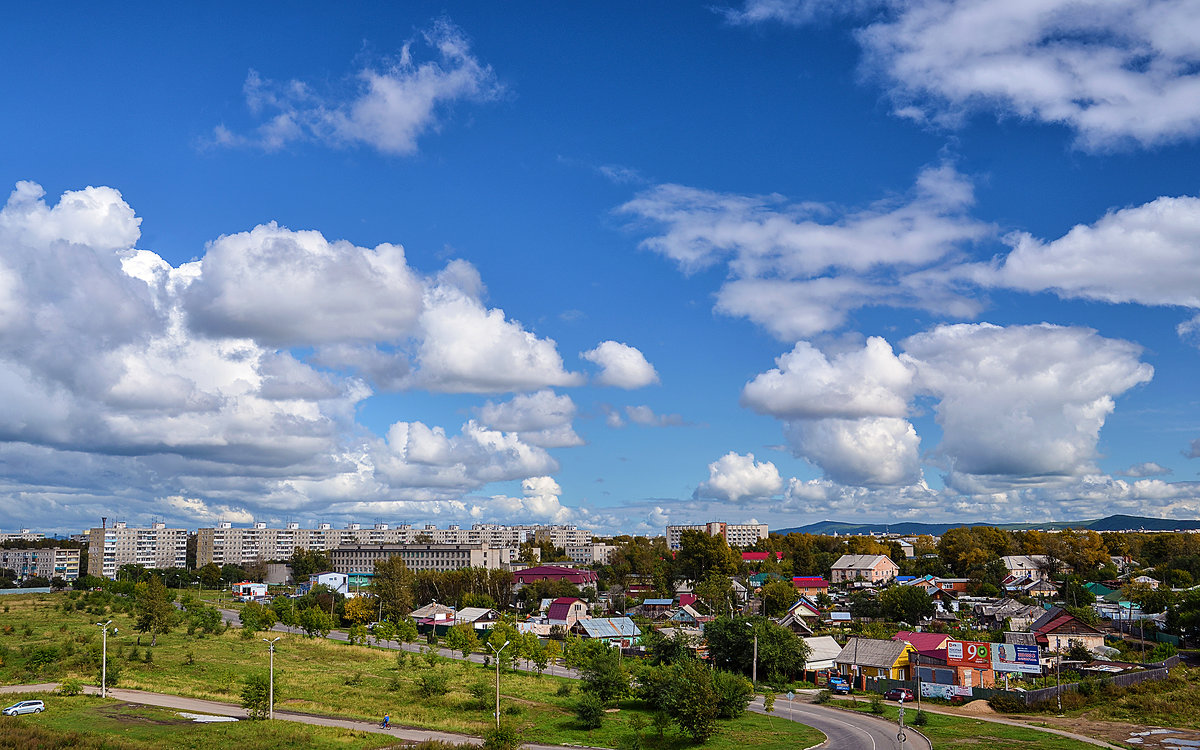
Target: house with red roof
{"type": "Point", "coordinates": [760, 557]}
{"type": "Point", "coordinates": [1057, 629]}
{"type": "Point", "coordinates": [579, 577]}
{"type": "Point", "coordinates": [567, 610]}
{"type": "Point", "coordinates": [810, 585]}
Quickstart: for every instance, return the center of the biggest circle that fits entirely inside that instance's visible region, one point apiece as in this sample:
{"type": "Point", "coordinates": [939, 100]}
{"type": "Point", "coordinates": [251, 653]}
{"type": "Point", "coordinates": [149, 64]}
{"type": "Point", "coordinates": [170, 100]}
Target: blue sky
{"type": "Point", "coordinates": [619, 266]}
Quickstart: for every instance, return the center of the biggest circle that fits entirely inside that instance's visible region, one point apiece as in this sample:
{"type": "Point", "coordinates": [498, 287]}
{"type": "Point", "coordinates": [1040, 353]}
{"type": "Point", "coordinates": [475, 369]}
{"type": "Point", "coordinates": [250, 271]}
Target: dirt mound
{"type": "Point", "coordinates": [978, 707]}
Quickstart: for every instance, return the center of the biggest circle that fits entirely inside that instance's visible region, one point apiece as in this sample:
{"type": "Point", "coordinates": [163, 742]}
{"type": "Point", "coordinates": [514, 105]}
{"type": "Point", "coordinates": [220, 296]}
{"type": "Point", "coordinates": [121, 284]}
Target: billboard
{"type": "Point", "coordinates": [945, 692]}
{"type": "Point", "coordinates": [1012, 657]}
{"type": "Point", "coordinates": [973, 654]}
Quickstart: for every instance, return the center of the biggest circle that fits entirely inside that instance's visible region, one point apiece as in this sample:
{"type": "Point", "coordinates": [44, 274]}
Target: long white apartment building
{"type": "Point", "coordinates": [358, 560]}
{"type": "Point", "coordinates": [736, 535]}
{"type": "Point", "coordinates": [24, 535]}
{"type": "Point", "coordinates": [225, 544]}
{"type": "Point", "coordinates": [156, 547]}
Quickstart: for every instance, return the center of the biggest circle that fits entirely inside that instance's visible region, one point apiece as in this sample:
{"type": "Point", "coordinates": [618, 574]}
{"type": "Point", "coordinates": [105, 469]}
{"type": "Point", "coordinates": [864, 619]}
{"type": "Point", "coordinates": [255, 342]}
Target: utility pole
{"type": "Point", "coordinates": [271, 682]}
{"type": "Point", "coordinates": [104, 657]}
{"type": "Point", "coordinates": [497, 650]}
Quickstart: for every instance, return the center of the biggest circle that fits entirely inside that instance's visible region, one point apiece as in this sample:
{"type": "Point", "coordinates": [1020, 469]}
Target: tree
{"type": "Point", "coordinates": [210, 575]}
{"type": "Point", "coordinates": [360, 610]}
{"type": "Point", "coordinates": [462, 638]}
{"type": "Point", "coordinates": [315, 621]}
{"type": "Point", "coordinates": [605, 676]}
{"type": "Point", "coordinates": [256, 692]}
{"type": "Point", "coordinates": [692, 700]}
{"type": "Point", "coordinates": [256, 617]}
{"type": "Point", "coordinates": [393, 584]}
{"type": "Point", "coordinates": [701, 555]}
{"type": "Point", "coordinates": [306, 562]}
{"type": "Point", "coordinates": [906, 603]}
{"type": "Point", "coordinates": [777, 597]}
{"type": "Point", "coordinates": [155, 613]}
{"type": "Point", "coordinates": [406, 630]}
{"type": "Point", "coordinates": [589, 711]}
{"type": "Point", "coordinates": [781, 655]}
{"type": "Point", "coordinates": [716, 591]}
{"type": "Point", "coordinates": [733, 693]}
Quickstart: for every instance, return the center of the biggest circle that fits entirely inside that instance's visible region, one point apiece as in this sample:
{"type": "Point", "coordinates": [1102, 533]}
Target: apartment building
{"type": "Point", "coordinates": [24, 535]}
{"type": "Point", "coordinates": [52, 562]}
{"type": "Point", "coordinates": [736, 535]}
{"type": "Point", "coordinates": [590, 554]}
{"type": "Point", "coordinates": [226, 545]}
{"type": "Point", "coordinates": [358, 560]}
{"type": "Point", "coordinates": [155, 547]}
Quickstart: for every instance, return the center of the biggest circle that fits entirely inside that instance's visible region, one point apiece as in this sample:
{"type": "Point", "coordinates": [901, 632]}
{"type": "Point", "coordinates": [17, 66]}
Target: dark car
{"type": "Point", "coordinates": [898, 694]}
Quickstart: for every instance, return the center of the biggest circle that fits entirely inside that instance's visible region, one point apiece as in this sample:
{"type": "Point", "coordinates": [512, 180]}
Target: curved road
{"type": "Point", "coordinates": [846, 730]}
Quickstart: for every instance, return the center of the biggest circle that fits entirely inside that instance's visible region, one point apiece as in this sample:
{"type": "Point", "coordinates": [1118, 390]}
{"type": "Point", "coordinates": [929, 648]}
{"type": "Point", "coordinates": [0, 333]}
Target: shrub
{"type": "Point", "coordinates": [149, 658]}
{"type": "Point", "coordinates": [734, 693]}
{"type": "Point", "coordinates": [514, 709]}
{"type": "Point", "coordinates": [822, 696]}
{"type": "Point", "coordinates": [189, 659]}
{"type": "Point", "coordinates": [256, 696]}
{"type": "Point", "coordinates": [503, 737]}
{"type": "Point", "coordinates": [70, 687]}
{"type": "Point", "coordinates": [920, 719]}
{"type": "Point", "coordinates": [134, 654]}
{"type": "Point", "coordinates": [354, 680]}
{"type": "Point", "coordinates": [1006, 704]}
{"type": "Point", "coordinates": [433, 683]}
{"type": "Point", "coordinates": [589, 710]}
{"type": "Point", "coordinates": [480, 691]}
{"type": "Point", "coordinates": [564, 690]}
{"type": "Point", "coordinates": [877, 704]}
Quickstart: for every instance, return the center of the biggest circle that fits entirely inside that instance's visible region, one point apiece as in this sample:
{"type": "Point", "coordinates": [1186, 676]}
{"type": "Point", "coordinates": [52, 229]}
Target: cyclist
{"type": "Point", "coordinates": [387, 721]}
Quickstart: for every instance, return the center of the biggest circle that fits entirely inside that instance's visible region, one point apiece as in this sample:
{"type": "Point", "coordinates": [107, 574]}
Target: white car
{"type": "Point", "coordinates": [25, 707]}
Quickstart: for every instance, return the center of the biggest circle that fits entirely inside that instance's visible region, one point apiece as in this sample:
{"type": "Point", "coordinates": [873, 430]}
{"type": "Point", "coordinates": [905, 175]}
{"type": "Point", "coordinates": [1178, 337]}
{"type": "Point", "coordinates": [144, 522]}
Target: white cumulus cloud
{"type": "Point", "coordinates": [621, 365]}
{"type": "Point", "coordinates": [734, 477]}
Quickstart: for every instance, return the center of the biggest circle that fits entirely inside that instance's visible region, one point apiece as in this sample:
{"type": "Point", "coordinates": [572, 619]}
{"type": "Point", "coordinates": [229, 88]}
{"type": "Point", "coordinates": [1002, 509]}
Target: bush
{"type": "Point", "coordinates": [564, 690]}
{"type": "Point", "coordinates": [256, 696]}
{"type": "Point", "coordinates": [149, 658]}
{"type": "Point", "coordinates": [589, 710]}
{"type": "Point", "coordinates": [734, 693]}
{"type": "Point", "coordinates": [877, 704]}
{"type": "Point", "coordinates": [1006, 704]}
{"type": "Point", "coordinates": [822, 696]}
{"type": "Point", "coordinates": [433, 684]}
{"type": "Point", "coordinates": [920, 719]}
{"type": "Point", "coordinates": [70, 687]}
{"type": "Point", "coordinates": [480, 691]}
{"type": "Point", "coordinates": [503, 737]}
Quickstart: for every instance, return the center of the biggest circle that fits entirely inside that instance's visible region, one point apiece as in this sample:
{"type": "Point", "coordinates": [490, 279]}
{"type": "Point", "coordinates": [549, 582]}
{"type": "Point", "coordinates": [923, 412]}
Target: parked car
{"type": "Point", "coordinates": [899, 694]}
{"type": "Point", "coordinates": [25, 707]}
{"type": "Point", "coordinates": [839, 686]}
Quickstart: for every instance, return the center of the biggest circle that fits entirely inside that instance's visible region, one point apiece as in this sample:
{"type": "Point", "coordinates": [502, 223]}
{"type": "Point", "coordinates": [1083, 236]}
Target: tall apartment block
{"type": "Point", "coordinates": [226, 545]}
{"type": "Point", "coordinates": [155, 547]}
{"type": "Point", "coordinates": [358, 560]}
{"type": "Point", "coordinates": [53, 562]}
{"type": "Point", "coordinates": [736, 535]}
{"type": "Point", "coordinates": [24, 535]}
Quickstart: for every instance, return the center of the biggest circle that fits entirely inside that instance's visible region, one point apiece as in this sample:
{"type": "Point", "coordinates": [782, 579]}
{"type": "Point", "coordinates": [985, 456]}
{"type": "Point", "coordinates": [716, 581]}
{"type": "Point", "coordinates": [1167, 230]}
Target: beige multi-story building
{"type": "Point", "coordinates": [155, 547]}
{"type": "Point", "coordinates": [590, 554]}
{"type": "Point", "coordinates": [226, 545]}
{"type": "Point", "coordinates": [358, 560]}
{"type": "Point", "coordinates": [49, 562]}
{"type": "Point", "coordinates": [736, 535]}
{"type": "Point", "coordinates": [24, 535]}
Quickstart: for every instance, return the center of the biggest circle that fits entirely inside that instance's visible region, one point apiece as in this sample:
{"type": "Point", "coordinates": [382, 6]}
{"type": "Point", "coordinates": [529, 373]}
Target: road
{"type": "Point", "coordinates": [846, 730]}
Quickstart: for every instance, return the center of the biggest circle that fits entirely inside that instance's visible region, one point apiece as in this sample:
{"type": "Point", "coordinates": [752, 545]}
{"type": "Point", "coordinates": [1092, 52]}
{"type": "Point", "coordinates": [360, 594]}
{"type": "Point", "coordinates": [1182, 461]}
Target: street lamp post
{"type": "Point", "coordinates": [271, 679]}
{"type": "Point", "coordinates": [754, 662]}
{"type": "Point", "coordinates": [104, 657]}
{"type": "Point", "coordinates": [497, 650]}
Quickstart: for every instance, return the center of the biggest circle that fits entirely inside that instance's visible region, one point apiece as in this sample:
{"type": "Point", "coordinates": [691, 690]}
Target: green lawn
{"type": "Point", "coordinates": [330, 678]}
{"type": "Point", "coordinates": [90, 722]}
{"type": "Point", "coordinates": [961, 732]}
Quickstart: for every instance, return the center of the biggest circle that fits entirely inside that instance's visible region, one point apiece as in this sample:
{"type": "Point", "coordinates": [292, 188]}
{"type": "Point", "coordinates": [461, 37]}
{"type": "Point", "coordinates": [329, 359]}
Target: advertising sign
{"type": "Point", "coordinates": [1011, 657]}
{"type": "Point", "coordinates": [969, 654]}
{"type": "Point", "coordinates": [945, 692]}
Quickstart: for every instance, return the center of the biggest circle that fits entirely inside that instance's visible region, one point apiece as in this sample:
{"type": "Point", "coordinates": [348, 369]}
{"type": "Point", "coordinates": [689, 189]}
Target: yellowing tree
{"type": "Point", "coordinates": [360, 610]}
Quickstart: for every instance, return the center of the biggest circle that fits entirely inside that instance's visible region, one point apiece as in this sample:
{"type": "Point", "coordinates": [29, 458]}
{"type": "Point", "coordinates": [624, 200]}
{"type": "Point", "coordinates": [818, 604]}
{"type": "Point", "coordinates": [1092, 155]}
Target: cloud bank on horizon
{"type": "Point", "coordinates": [920, 352]}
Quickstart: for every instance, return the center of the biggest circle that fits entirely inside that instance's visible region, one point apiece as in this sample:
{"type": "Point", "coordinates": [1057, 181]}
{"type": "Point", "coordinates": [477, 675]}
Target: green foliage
{"type": "Point", "coordinates": [822, 697]}
{"type": "Point", "coordinates": [1078, 652]}
{"type": "Point", "coordinates": [256, 695]}
{"type": "Point", "coordinates": [605, 677]}
{"type": "Point", "coordinates": [307, 562]}
{"type": "Point", "coordinates": [692, 702]}
{"type": "Point", "coordinates": [589, 711]}
{"type": "Point", "coordinates": [906, 603]}
{"type": "Point", "coordinates": [433, 684]}
{"type": "Point", "coordinates": [315, 621]}
{"type": "Point", "coordinates": [564, 690]}
{"type": "Point", "coordinates": [504, 737]}
{"type": "Point", "coordinates": [877, 704]}
{"type": "Point", "coordinates": [462, 638]}
{"type": "Point", "coordinates": [701, 555]}
{"type": "Point", "coordinates": [70, 686]}
{"type": "Point", "coordinates": [480, 690]}
{"type": "Point", "coordinates": [153, 608]}
{"type": "Point", "coordinates": [664, 648]}
{"type": "Point", "coordinates": [781, 654]}
{"type": "Point", "coordinates": [357, 634]}
{"type": "Point", "coordinates": [432, 656]}
{"type": "Point", "coordinates": [920, 719]}
{"type": "Point", "coordinates": [733, 692]}
{"type": "Point", "coordinates": [384, 631]}
{"type": "Point", "coordinates": [394, 585]}
{"type": "Point", "coordinates": [406, 630]}
{"type": "Point", "coordinates": [777, 597]}
{"type": "Point", "coordinates": [769, 701]}
{"type": "Point", "coordinates": [1006, 704]}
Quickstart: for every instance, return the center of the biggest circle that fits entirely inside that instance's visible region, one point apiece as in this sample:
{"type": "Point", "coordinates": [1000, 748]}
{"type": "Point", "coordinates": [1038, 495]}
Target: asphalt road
{"type": "Point", "coordinates": [845, 730]}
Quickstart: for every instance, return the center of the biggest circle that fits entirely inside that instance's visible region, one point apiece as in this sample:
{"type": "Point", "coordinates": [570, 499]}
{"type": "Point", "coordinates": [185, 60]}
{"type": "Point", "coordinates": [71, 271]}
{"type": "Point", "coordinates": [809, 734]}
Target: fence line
{"type": "Point", "coordinates": [1029, 697]}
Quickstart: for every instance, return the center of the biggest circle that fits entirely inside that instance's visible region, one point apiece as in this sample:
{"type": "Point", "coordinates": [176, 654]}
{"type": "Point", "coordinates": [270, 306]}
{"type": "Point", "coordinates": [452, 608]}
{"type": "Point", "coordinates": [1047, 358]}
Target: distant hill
{"type": "Point", "coordinates": [909, 528]}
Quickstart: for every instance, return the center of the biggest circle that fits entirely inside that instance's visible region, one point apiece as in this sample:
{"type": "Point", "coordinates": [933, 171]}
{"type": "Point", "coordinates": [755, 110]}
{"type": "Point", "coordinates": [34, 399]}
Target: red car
{"type": "Point", "coordinates": [899, 694]}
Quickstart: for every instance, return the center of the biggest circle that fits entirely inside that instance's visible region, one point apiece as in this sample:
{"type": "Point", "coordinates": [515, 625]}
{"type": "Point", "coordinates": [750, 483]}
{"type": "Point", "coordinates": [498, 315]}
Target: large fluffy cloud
{"type": "Point", "coordinates": [543, 418]}
{"type": "Point", "coordinates": [621, 365]}
{"type": "Point", "coordinates": [389, 108]}
{"type": "Point", "coordinates": [1113, 71]}
{"type": "Point", "coordinates": [734, 477]}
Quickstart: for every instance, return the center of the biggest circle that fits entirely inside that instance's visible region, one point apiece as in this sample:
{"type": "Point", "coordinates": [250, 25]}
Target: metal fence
{"type": "Point", "coordinates": [1030, 697]}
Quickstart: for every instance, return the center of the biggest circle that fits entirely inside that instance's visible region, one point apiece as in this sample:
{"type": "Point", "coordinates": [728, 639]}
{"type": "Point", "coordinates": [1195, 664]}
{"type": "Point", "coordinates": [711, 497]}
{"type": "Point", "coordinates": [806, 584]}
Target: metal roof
{"type": "Point", "coordinates": [609, 627]}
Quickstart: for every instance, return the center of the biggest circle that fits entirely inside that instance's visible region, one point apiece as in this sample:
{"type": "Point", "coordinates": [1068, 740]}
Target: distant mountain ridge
{"type": "Point", "coordinates": [907, 528]}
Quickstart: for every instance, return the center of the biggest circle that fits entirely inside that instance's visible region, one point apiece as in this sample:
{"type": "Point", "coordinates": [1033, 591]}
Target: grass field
{"type": "Point", "coordinates": [90, 722]}
{"type": "Point", "coordinates": [953, 732]}
{"type": "Point", "coordinates": [41, 642]}
{"type": "Point", "coordinates": [1165, 703]}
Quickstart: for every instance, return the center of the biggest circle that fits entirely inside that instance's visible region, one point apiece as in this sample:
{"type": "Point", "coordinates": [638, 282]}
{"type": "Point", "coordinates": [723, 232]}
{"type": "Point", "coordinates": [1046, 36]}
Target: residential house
{"type": "Point", "coordinates": [994, 615]}
{"type": "Point", "coordinates": [810, 585]}
{"type": "Point", "coordinates": [1031, 566]}
{"type": "Point", "coordinates": [655, 609]}
{"type": "Point", "coordinates": [1057, 629]}
{"type": "Point", "coordinates": [875, 569]}
{"type": "Point", "coordinates": [1145, 581]}
{"type": "Point", "coordinates": [1025, 585]}
{"type": "Point", "coordinates": [615, 631]}
{"type": "Point", "coordinates": [822, 650]}
{"type": "Point", "coordinates": [480, 618]}
{"type": "Point", "coordinates": [875, 658]}
{"type": "Point", "coordinates": [687, 615]}
{"type": "Point", "coordinates": [567, 610]}
{"type": "Point", "coordinates": [761, 557]}
{"type": "Point", "coordinates": [795, 624]}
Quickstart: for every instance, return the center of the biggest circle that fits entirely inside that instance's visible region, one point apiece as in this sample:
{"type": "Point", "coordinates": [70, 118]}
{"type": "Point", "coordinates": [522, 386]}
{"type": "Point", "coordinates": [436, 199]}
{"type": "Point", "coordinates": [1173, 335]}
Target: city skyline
{"type": "Point", "coordinates": [767, 261]}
